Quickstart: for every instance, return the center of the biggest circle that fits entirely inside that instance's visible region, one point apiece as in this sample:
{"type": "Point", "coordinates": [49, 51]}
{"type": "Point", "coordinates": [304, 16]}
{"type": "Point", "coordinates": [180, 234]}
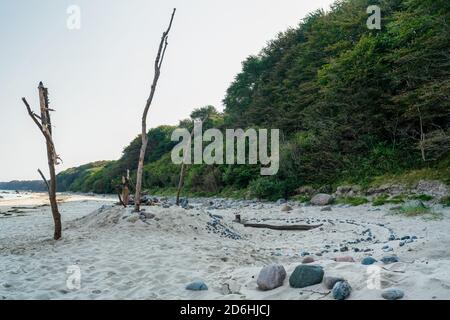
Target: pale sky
{"type": "Point", "coordinates": [99, 76]}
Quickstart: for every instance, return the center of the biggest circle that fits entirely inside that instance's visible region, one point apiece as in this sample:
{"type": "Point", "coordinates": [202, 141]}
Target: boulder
{"type": "Point", "coordinates": [305, 276]}
{"type": "Point", "coordinates": [341, 290]}
{"type": "Point", "coordinates": [271, 277]}
{"type": "Point", "coordinates": [322, 199]}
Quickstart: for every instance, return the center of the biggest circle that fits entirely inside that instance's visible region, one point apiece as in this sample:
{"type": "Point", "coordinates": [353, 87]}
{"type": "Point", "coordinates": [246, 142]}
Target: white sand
{"type": "Point", "coordinates": [121, 259]}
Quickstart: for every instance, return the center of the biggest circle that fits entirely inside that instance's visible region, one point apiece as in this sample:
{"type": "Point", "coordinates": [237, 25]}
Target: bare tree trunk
{"type": "Point", "coordinates": [126, 188]}
{"type": "Point", "coordinates": [45, 125]}
{"type": "Point", "coordinates": [422, 136]}
{"type": "Point", "coordinates": [180, 182]}
{"type": "Point", "coordinates": [158, 63]}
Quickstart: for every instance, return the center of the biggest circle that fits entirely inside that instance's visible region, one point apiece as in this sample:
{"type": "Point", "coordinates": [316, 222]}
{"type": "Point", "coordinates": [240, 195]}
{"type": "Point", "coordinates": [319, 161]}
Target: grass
{"type": "Point", "coordinates": [422, 197]}
{"type": "Point", "coordinates": [446, 201]}
{"type": "Point", "coordinates": [353, 201]}
{"type": "Point", "coordinates": [386, 199]}
{"type": "Point", "coordinates": [225, 193]}
{"type": "Point", "coordinates": [301, 198]}
{"type": "Point", "coordinates": [419, 210]}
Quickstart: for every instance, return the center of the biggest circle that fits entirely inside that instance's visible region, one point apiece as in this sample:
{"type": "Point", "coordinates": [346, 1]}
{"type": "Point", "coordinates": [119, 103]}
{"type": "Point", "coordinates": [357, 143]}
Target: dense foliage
{"type": "Point", "coordinates": [351, 103]}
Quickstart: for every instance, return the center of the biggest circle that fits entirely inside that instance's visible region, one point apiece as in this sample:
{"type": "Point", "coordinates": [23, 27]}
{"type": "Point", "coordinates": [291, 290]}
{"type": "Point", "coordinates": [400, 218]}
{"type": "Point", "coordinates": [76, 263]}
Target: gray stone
{"type": "Point", "coordinates": [327, 208]}
{"type": "Point", "coordinates": [329, 282]}
{"type": "Point", "coordinates": [286, 208]}
{"type": "Point", "coordinates": [322, 199]}
{"type": "Point", "coordinates": [341, 290]}
{"type": "Point", "coordinates": [392, 294]}
{"type": "Point", "coordinates": [271, 277]}
{"type": "Point", "coordinates": [305, 276]}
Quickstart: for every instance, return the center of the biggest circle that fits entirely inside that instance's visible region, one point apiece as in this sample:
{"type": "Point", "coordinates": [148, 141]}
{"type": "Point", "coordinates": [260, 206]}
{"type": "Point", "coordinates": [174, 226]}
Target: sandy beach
{"type": "Point", "coordinates": [123, 256]}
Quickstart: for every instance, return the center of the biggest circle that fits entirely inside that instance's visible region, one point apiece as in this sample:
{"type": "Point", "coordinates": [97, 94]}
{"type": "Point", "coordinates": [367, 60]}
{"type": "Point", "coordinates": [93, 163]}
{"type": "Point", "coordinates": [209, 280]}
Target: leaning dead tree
{"type": "Point", "coordinates": [158, 63]}
{"type": "Point", "coordinates": [43, 122]}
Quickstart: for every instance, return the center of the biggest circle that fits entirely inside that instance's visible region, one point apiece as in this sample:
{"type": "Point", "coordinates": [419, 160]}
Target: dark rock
{"type": "Point", "coordinates": [197, 286]}
{"type": "Point", "coordinates": [341, 290]}
{"type": "Point", "coordinates": [305, 276]}
{"type": "Point", "coordinates": [368, 261]}
{"type": "Point", "coordinates": [327, 208]}
{"type": "Point", "coordinates": [389, 259]}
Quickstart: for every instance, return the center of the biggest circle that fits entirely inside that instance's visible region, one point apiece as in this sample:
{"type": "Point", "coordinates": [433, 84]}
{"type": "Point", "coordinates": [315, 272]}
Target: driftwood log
{"type": "Point", "coordinates": [158, 64]}
{"type": "Point", "coordinates": [302, 227]}
{"type": "Point", "coordinates": [44, 123]}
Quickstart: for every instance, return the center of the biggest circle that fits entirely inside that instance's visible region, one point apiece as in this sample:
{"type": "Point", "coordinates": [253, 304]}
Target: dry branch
{"type": "Point", "coordinates": [158, 64]}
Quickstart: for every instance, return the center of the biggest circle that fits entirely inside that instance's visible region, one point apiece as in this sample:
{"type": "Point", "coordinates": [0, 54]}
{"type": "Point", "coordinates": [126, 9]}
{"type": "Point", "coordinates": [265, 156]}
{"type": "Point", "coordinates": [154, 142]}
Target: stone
{"type": "Point", "coordinates": [305, 276]}
{"type": "Point", "coordinates": [271, 277]}
{"type": "Point", "coordinates": [341, 290]}
{"type": "Point", "coordinates": [286, 208]}
{"type": "Point", "coordinates": [329, 282]}
{"type": "Point", "coordinates": [389, 259]}
{"type": "Point", "coordinates": [308, 259]}
{"type": "Point", "coordinates": [368, 261]}
{"type": "Point", "coordinates": [306, 190]}
{"type": "Point", "coordinates": [322, 199]}
{"type": "Point", "coordinates": [304, 254]}
{"type": "Point", "coordinates": [327, 208]}
{"type": "Point", "coordinates": [232, 287]}
{"type": "Point", "coordinates": [197, 286]}
{"type": "Point", "coordinates": [392, 294]}
{"type": "Point", "coordinates": [344, 259]}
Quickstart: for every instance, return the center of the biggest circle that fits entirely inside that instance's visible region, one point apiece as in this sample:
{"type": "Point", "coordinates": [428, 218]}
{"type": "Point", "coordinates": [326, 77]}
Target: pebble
{"type": "Point", "coordinates": [392, 294]}
{"type": "Point", "coordinates": [308, 259]}
{"type": "Point", "coordinates": [389, 259]}
{"type": "Point", "coordinates": [197, 286]}
{"type": "Point", "coordinates": [368, 261]}
{"type": "Point", "coordinates": [344, 259]}
{"type": "Point", "coordinates": [329, 282]}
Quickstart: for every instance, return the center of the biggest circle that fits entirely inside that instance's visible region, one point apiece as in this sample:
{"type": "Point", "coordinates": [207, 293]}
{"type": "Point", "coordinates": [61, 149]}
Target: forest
{"type": "Point", "coordinates": [353, 105]}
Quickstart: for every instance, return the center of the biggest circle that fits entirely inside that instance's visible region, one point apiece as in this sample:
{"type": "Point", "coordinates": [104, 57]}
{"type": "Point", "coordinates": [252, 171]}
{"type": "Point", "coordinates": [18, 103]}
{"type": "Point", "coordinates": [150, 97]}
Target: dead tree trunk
{"type": "Point", "coordinates": [158, 63]}
{"type": "Point", "coordinates": [126, 188]}
{"type": "Point", "coordinates": [45, 126]}
{"type": "Point", "coordinates": [422, 136]}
